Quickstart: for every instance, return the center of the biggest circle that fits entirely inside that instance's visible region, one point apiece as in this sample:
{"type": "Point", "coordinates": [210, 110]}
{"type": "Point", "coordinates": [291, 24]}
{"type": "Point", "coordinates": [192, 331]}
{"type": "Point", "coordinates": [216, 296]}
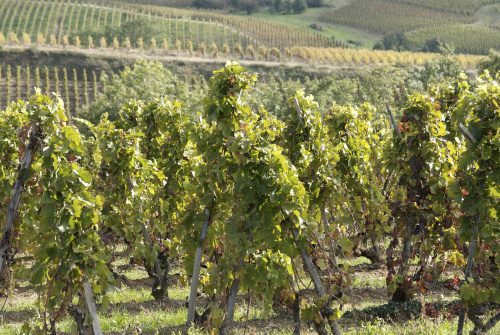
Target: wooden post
{"type": "Point", "coordinates": [472, 244]}
{"type": "Point", "coordinates": [393, 121]}
{"type": "Point", "coordinates": [467, 133]}
{"type": "Point", "coordinates": [12, 211]}
{"type": "Point", "coordinates": [196, 269]}
{"type": "Point", "coordinates": [468, 272]}
{"type": "Point", "coordinates": [332, 246]}
{"type": "Point", "coordinates": [313, 273]}
{"type": "Point", "coordinates": [90, 302]}
{"type": "Point", "coordinates": [231, 303]}
{"type": "Point", "coordinates": [298, 110]}
{"type": "Point", "coordinates": [149, 241]}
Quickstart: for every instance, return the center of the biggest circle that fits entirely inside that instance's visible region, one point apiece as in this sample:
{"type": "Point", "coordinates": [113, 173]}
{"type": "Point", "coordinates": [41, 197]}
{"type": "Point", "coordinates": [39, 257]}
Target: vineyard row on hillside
{"type": "Point", "coordinates": [421, 23]}
{"type": "Point", "coordinates": [469, 38]}
{"type": "Point", "coordinates": [77, 87]}
{"type": "Point", "coordinates": [310, 55]}
{"type": "Point", "coordinates": [467, 7]}
{"type": "Point", "coordinates": [383, 16]}
{"type": "Point", "coordinates": [69, 18]}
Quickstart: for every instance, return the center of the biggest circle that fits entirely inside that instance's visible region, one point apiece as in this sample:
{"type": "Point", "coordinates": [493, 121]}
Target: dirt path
{"type": "Point", "coordinates": [170, 56]}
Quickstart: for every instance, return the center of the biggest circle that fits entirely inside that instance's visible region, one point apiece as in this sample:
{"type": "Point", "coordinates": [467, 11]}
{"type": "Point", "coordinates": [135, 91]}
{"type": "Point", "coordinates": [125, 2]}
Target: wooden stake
{"type": "Point", "coordinates": [472, 245]}
{"type": "Point", "coordinates": [12, 211]}
{"type": "Point", "coordinates": [90, 302]}
{"type": "Point", "coordinates": [467, 133]}
{"type": "Point", "coordinates": [468, 272]}
{"type": "Point", "coordinates": [148, 240]}
{"type": "Point", "coordinates": [313, 273]}
{"type": "Point", "coordinates": [298, 110]}
{"type": "Point", "coordinates": [196, 269]}
{"type": "Point", "coordinates": [231, 303]}
{"type": "Point", "coordinates": [393, 121]}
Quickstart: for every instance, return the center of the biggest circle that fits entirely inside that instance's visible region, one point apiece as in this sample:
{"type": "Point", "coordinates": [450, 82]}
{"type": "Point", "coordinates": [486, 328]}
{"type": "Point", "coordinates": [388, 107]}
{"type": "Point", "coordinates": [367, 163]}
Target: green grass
{"type": "Point", "coordinates": [343, 34]}
{"type": "Point", "coordinates": [121, 320]}
{"type": "Point", "coordinates": [412, 327]}
{"type": "Point", "coordinates": [132, 309]}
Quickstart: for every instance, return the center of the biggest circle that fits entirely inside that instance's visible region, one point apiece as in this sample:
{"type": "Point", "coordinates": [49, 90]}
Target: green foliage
{"type": "Point", "coordinates": [267, 198]}
{"type": "Point", "coordinates": [61, 217]}
{"type": "Point", "coordinates": [361, 140]}
{"type": "Point", "coordinates": [492, 64]}
{"type": "Point", "coordinates": [311, 149]}
{"type": "Point", "coordinates": [145, 81]}
{"type": "Point", "coordinates": [9, 153]}
{"type": "Point", "coordinates": [312, 181]}
{"type": "Point", "coordinates": [395, 41]}
{"type": "Point", "coordinates": [444, 70]}
{"type": "Point", "coordinates": [299, 6]}
{"type": "Point", "coordinates": [478, 188]}
{"type": "Point", "coordinates": [144, 177]}
{"type": "Point", "coordinates": [425, 157]}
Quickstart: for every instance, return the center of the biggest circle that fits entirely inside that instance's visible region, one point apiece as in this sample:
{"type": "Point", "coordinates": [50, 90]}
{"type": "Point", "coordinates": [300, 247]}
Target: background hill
{"type": "Point", "coordinates": [463, 25]}
{"type": "Point", "coordinates": [470, 26]}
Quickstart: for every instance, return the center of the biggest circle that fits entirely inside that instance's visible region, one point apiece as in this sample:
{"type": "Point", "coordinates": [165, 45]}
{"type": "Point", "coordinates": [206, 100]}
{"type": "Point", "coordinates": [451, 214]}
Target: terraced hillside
{"type": "Point", "coordinates": [381, 16]}
{"type": "Point", "coordinates": [469, 25]}
{"type": "Point", "coordinates": [459, 6]}
{"type": "Point", "coordinates": [56, 21]}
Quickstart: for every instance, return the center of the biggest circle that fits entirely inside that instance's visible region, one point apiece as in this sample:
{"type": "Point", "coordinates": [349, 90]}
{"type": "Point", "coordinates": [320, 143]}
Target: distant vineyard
{"type": "Point", "coordinates": [56, 21]}
{"type": "Point", "coordinates": [490, 16]}
{"type": "Point", "coordinates": [465, 38]}
{"type": "Point", "coordinates": [76, 87]}
{"type": "Point", "coordinates": [382, 16]}
{"type": "Point", "coordinates": [169, 3]}
{"type": "Point", "coordinates": [374, 57]}
{"type": "Point", "coordinates": [459, 6]}
{"type": "Point", "coordinates": [310, 55]}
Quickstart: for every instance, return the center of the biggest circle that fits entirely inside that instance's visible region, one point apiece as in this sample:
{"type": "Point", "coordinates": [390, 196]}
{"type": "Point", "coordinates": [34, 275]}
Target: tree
{"type": "Point", "coordinates": [277, 6]}
{"type": "Point", "coordinates": [299, 6]}
{"type": "Point", "coordinates": [249, 6]}
{"type": "Point", "coordinates": [214, 4]}
{"type": "Point", "coordinates": [282, 6]}
{"type": "Point", "coordinates": [315, 3]}
{"type": "Point", "coordinates": [395, 41]}
{"type": "Point", "coordinates": [437, 46]}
